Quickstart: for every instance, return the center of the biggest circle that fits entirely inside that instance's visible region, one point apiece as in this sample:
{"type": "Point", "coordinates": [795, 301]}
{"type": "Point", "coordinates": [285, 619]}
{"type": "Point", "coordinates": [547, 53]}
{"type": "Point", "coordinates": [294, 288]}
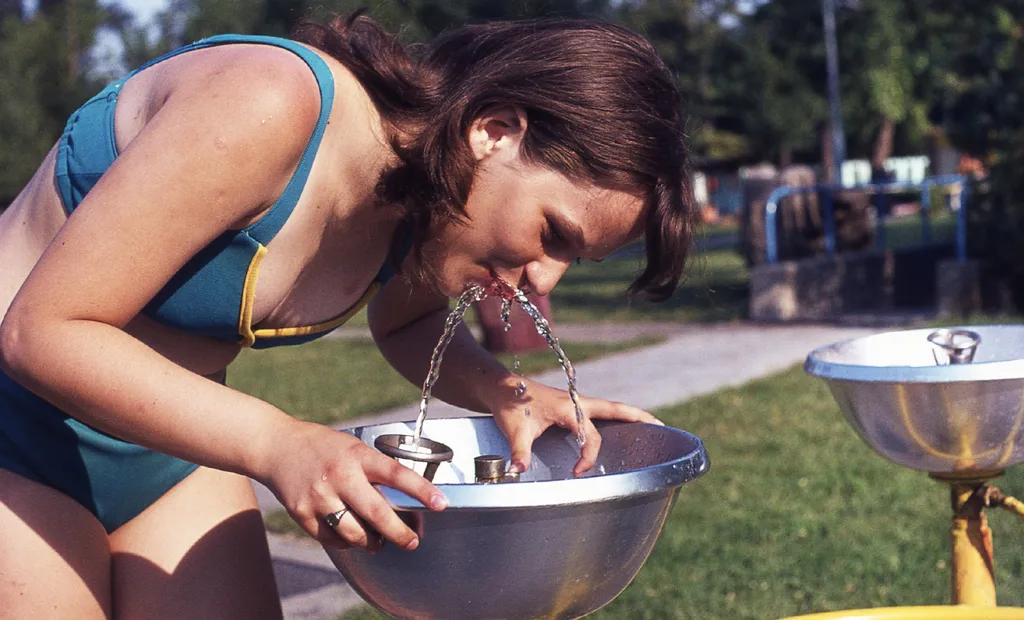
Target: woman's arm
{"type": "Point", "coordinates": [220, 149]}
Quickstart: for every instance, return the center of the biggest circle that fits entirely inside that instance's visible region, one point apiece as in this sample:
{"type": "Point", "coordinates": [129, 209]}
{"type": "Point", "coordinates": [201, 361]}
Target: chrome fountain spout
{"type": "Point", "coordinates": [954, 346]}
{"type": "Point", "coordinates": [490, 469]}
{"type": "Point", "coordinates": [420, 450]}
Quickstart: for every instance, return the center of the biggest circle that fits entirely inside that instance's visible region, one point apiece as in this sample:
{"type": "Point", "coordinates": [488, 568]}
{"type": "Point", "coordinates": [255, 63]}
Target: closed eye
{"type": "Point", "coordinates": [553, 234]}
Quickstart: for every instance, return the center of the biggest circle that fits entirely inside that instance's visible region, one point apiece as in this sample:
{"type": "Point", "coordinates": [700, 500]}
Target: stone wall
{"type": "Point", "coordinates": [827, 287]}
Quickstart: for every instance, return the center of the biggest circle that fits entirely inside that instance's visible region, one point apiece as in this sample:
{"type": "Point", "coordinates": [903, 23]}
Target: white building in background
{"type": "Point", "coordinates": [911, 169]}
{"type": "Point", "coordinates": [700, 188]}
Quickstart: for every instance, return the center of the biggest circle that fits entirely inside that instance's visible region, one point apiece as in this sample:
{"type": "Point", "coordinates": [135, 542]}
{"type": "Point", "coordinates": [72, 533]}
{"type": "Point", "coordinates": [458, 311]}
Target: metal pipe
{"type": "Point", "coordinates": [772, 207]}
{"type": "Point", "coordinates": [926, 208]}
{"type": "Point", "coordinates": [961, 224]}
{"type": "Point", "coordinates": [878, 198]}
{"type": "Point", "coordinates": [829, 221]}
{"type": "Point", "coordinates": [972, 576]}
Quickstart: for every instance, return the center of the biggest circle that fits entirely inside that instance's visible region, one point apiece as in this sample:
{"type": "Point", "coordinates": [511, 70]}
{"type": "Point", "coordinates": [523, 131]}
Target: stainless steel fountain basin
{"type": "Point", "coordinates": [945, 419]}
{"type": "Point", "coordinates": [549, 546]}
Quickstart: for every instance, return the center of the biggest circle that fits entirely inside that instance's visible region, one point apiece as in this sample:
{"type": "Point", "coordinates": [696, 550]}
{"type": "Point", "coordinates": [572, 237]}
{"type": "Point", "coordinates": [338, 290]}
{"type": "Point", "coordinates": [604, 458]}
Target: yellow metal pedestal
{"type": "Point", "coordinates": [972, 576]}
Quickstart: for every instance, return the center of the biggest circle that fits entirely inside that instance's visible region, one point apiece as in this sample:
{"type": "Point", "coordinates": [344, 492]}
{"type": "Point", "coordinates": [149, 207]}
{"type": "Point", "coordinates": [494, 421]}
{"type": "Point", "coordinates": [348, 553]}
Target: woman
{"type": "Point", "coordinates": [245, 191]}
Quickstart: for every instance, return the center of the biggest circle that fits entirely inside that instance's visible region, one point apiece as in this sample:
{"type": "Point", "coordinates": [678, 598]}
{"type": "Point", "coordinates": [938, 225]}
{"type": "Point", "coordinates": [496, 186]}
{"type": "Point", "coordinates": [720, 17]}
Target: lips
{"type": "Point", "coordinates": [493, 285]}
{"type": "Point", "coordinates": [501, 288]}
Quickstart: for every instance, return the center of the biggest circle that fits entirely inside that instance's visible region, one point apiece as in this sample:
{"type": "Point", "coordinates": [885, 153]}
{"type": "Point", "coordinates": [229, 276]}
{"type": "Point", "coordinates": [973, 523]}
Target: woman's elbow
{"type": "Point", "coordinates": [15, 343]}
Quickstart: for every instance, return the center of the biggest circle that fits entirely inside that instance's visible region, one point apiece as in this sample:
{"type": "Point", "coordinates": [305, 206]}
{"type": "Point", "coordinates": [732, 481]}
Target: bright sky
{"type": "Point", "coordinates": [144, 9]}
{"type": "Point", "coordinates": [107, 51]}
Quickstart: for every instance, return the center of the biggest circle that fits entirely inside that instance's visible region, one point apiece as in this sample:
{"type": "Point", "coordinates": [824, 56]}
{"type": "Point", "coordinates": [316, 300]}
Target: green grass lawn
{"type": "Point", "coordinates": [797, 515]}
{"type": "Point", "coordinates": [333, 380]}
{"type": "Point", "coordinates": [903, 231]}
{"type": "Point", "coordinates": [715, 290]}
{"type": "Point", "coordinates": [720, 228]}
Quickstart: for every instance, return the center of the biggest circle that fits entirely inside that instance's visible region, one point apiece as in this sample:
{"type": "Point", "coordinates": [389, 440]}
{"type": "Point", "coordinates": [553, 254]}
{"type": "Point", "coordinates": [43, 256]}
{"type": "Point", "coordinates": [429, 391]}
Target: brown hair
{"type": "Point", "coordinates": [601, 107]}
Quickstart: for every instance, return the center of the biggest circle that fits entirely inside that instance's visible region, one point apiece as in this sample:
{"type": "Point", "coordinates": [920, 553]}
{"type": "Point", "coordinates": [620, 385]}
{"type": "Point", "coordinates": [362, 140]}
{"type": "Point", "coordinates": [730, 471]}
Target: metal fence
{"type": "Point", "coordinates": [878, 192]}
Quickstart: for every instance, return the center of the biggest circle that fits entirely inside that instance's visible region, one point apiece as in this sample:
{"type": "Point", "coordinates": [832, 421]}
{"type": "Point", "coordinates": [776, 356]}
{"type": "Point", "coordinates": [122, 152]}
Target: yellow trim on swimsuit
{"type": "Point", "coordinates": [249, 297]}
{"type": "Point", "coordinates": [249, 335]}
{"type": "Point", "coordinates": [326, 326]}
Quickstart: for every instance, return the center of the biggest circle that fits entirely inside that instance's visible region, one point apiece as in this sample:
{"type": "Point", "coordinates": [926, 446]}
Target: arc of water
{"type": "Point", "coordinates": [472, 295]}
{"type": "Point", "coordinates": [544, 329]}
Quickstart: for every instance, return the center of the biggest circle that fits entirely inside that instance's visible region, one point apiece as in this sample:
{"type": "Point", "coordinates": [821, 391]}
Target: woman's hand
{"type": "Point", "coordinates": [524, 417]}
{"type": "Point", "coordinates": [316, 471]}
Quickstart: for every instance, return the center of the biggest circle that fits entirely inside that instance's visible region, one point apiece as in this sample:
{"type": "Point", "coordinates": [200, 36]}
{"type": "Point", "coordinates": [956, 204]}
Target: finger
{"type": "Point", "coordinates": [520, 439]}
{"type": "Point", "coordinates": [389, 472]}
{"type": "Point", "coordinates": [371, 506]}
{"type": "Point", "coordinates": [624, 412]}
{"type": "Point", "coordinates": [326, 536]}
{"type": "Point", "coordinates": [589, 451]}
{"type": "Point", "coordinates": [353, 530]}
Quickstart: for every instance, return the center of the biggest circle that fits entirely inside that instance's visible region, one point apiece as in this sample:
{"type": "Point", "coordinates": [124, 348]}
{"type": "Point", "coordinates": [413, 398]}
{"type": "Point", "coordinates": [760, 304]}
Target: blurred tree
{"type": "Point", "coordinates": [772, 86]}
{"type": "Point", "coordinates": [688, 35]}
{"type": "Point", "coordinates": [11, 8]}
{"type": "Point", "coordinates": [44, 77]}
{"type": "Point", "coordinates": [980, 81]}
{"type": "Point", "coordinates": [888, 76]}
{"type": "Point", "coordinates": [983, 114]}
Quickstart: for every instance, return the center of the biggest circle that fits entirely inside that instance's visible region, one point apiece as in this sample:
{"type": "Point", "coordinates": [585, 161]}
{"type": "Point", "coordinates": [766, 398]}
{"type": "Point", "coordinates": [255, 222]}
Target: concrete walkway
{"type": "Point", "coordinates": [692, 361]}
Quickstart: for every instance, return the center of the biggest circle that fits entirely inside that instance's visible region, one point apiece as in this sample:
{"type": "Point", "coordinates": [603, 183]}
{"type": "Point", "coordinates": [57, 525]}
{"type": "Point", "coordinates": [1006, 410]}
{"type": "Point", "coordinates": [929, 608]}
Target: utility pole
{"type": "Point", "coordinates": [834, 107]}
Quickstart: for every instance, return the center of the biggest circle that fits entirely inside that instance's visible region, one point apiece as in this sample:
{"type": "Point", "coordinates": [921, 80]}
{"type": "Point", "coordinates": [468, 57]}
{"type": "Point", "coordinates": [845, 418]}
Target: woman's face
{"type": "Point", "coordinates": [527, 224]}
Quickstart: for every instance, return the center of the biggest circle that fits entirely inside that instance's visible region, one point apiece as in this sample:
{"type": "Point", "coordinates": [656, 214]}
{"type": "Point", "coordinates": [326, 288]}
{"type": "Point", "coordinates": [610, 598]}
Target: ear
{"type": "Point", "coordinates": [498, 131]}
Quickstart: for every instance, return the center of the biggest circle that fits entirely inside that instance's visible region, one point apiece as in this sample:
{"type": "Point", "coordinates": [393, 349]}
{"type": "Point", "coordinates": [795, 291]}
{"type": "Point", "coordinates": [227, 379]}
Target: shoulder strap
{"type": "Point", "coordinates": [272, 221]}
{"type": "Point", "coordinates": [267, 226]}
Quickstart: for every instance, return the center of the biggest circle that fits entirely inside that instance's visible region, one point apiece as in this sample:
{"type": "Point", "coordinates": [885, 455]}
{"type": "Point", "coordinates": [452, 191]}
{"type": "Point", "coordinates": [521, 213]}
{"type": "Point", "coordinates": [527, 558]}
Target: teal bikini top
{"type": "Point", "coordinates": [213, 293]}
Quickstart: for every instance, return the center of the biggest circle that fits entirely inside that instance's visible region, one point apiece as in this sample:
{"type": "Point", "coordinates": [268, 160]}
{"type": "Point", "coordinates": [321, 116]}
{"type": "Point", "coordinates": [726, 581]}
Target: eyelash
{"type": "Point", "coordinates": [553, 234]}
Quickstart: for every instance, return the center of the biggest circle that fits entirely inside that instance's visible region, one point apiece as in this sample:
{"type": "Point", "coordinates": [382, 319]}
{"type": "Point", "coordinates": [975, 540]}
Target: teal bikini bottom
{"type": "Point", "coordinates": [116, 480]}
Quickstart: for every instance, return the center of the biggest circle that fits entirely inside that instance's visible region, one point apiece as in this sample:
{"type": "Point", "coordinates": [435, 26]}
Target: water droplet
{"type": "Point", "coordinates": [324, 477]}
{"type": "Point", "coordinates": [520, 389]}
{"type": "Point", "coordinates": [508, 327]}
{"type": "Point", "coordinates": [515, 363]}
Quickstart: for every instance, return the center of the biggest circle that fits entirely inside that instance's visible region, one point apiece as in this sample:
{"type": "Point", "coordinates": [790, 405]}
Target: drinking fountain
{"type": "Point", "coordinates": [948, 402]}
{"type": "Point", "coordinates": [545, 545]}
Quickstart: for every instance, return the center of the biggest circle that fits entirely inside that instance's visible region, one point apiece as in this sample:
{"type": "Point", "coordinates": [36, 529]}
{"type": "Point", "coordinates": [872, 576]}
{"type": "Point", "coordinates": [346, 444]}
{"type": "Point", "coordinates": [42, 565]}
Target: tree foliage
{"type": "Point", "coordinates": [43, 78]}
{"type": "Point", "coordinates": [752, 73]}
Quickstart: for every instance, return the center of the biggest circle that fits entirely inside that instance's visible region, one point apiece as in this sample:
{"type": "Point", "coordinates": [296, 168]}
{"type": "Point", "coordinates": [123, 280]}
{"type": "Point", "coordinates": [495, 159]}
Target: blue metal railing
{"type": "Point", "coordinates": [878, 191]}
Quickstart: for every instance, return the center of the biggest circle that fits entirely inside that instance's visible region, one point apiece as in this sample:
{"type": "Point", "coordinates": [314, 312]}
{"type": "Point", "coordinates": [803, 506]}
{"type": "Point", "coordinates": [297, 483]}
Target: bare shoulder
{"type": "Point", "coordinates": [251, 108]}
{"type": "Point", "coordinates": [248, 83]}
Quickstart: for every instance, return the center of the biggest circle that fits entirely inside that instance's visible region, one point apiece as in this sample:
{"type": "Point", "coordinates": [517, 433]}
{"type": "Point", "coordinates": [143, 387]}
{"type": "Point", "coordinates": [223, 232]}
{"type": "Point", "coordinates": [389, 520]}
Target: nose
{"type": "Point", "coordinates": [542, 275]}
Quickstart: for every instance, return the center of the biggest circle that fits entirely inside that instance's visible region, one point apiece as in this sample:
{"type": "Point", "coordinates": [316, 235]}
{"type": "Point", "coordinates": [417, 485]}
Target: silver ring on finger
{"type": "Point", "coordinates": [333, 519]}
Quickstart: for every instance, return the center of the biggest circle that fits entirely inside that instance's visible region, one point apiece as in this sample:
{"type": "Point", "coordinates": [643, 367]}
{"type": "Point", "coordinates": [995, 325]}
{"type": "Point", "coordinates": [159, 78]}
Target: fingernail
{"type": "Point", "coordinates": [438, 502]}
{"type": "Point", "coordinates": [415, 542]}
{"type": "Point", "coordinates": [517, 467]}
{"type": "Point", "coordinates": [659, 422]}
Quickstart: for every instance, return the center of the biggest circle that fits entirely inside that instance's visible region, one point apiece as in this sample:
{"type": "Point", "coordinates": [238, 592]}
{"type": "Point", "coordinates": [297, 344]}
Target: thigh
{"type": "Point", "coordinates": [199, 552]}
{"type": "Point", "coordinates": [54, 558]}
